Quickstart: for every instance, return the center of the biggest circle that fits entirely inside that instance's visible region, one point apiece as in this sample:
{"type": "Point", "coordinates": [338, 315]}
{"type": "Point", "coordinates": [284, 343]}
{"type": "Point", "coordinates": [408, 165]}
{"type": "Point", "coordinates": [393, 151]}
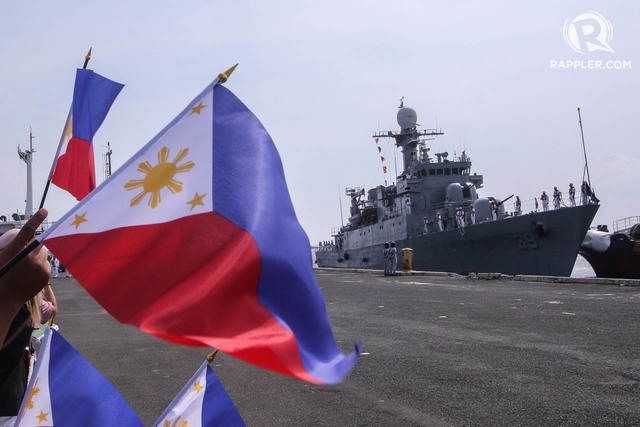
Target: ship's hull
{"type": "Point", "coordinates": [542, 243]}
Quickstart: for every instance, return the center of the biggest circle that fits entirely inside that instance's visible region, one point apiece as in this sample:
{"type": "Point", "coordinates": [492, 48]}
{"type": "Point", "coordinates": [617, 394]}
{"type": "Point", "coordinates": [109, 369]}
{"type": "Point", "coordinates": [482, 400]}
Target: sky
{"type": "Point", "coordinates": [323, 77]}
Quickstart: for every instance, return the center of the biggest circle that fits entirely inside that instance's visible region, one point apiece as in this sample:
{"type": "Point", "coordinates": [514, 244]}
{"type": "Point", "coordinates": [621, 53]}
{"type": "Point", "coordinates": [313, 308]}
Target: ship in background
{"type": "Point", "coordinates": [16, 219]}
{"type": "Point", "coordinates": [428, 194]}
{"type": "Point", "coordinates": [13, 220]}
{"type": "Point", "coordinates": [616, 254]}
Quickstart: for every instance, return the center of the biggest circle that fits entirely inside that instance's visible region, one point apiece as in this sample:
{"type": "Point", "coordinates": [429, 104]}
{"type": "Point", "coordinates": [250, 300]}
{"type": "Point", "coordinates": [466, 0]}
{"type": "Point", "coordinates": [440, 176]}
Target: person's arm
{"type": "Point", "coordinates": [27, 277]}
{"type": "Point", "coordinates": [48, 298]}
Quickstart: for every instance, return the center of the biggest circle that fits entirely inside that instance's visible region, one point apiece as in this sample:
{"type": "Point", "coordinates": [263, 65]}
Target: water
{"type": "Point", "coordinates": [582, 268]}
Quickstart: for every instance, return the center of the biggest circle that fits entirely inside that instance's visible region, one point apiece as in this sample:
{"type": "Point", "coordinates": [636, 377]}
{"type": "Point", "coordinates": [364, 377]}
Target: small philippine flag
{"type": "Point", "coordinates": [65, 391]}
{"type": "Point", "coordinates": [202, 402]}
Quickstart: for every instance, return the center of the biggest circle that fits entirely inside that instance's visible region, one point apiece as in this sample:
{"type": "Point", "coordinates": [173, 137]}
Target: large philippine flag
{"type": "Point", "coordinates": [202, 402]}
{"type": "Point", "coordinates": [65, 391]}
{"type": "Point", "coordinates": [195, 241]}
{"type": "Point", "coordinates": [73, 168]}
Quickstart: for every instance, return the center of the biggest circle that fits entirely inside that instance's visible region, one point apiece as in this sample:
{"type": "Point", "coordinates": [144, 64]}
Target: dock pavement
{"type": "Point", "coordinates": [438, 349]}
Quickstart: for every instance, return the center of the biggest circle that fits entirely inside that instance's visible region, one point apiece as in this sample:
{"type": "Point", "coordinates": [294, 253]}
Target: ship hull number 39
{"type": "Point", "coordinates": [526, 241]}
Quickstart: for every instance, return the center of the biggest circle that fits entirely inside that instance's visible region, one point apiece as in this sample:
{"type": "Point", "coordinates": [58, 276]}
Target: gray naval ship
{"type": "Point", "coordinates": [419, 212]}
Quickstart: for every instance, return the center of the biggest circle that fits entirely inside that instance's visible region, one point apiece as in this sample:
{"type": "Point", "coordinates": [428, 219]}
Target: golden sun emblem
{"type": "Point", "coordinates": [167, 423]}
{"type": "Point", "coordinates": [159, 176]}
{"type": "Point", "coordinates": [34, 391]}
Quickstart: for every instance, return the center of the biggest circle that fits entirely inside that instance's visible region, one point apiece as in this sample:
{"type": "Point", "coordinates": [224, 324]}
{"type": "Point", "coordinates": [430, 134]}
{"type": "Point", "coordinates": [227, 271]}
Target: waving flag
{"type": "Point", "coordinates": [74, 168]}
{"type": "Point", "coordinates": [65, 390]}
{"type": "Point", "coordinates": [202, 402]}
{"type": "Point", "coordinates": [195, 241]}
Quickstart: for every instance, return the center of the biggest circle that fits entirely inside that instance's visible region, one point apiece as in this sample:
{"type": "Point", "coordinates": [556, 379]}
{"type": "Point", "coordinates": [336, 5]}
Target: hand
{"type": "Point", "coordinates": [28, 276]}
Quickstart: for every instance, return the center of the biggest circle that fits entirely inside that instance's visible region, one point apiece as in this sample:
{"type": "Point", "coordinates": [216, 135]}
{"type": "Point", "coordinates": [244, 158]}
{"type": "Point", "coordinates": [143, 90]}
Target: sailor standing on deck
{"type": "Point", "coordinates": [572, 195]}
{"type": "Point", "coordinates": [460, 217]}
{"type": "Point", "coordinates": [556, 198]}
{"type": "Point", "coordinates": [385, 259]}
{"type": "Point", "coordinates": [408, 205]}
{"type": "Point", "coordinates": [494, 210]}
{"type": "Point", "coordinates": [393, 259]}
{"type": "Point", "coordinates": [545, 201]}
{"type": "Point", "coordinates": [425, 225]}
{"type": "Point", "coordinates": [439, 221]}
{"type": "Point", "coordinates": [518, 206]}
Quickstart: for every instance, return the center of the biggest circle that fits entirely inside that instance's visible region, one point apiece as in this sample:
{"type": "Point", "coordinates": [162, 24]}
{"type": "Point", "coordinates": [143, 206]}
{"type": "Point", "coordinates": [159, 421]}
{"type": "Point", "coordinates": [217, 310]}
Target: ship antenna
{"type": "Point", "coordinates": [584, 151]}
{"type": "Point", "coordinates": [107, 162]}
{"type": "Point", "coordinates": [340, 198]}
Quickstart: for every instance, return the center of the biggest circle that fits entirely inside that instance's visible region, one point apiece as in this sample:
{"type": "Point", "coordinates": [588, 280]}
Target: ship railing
{"type": "Point", "coordinates": [527, 206]}
{"type": "Point", "coordinates": [625, 224]}
{"type": "Point", "coordinates": [335, 231]}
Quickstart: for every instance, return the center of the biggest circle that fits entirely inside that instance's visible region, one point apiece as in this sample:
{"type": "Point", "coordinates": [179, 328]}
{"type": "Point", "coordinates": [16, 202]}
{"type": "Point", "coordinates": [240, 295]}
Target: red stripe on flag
{"type": "Point", "coordinates": [199, 291]}
{"type": "Point", "coordinates": [75, 169]}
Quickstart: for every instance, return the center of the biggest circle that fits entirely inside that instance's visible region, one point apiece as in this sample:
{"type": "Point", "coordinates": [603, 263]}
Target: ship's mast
{"type": "Point", "coordinates": [584, 150]}
{"type": "Point", "coordinates": [409, 136]}
{"type": "Point", "coordinates": [27, 157]}
{"type": "Point", "coordinates": [107, 161]}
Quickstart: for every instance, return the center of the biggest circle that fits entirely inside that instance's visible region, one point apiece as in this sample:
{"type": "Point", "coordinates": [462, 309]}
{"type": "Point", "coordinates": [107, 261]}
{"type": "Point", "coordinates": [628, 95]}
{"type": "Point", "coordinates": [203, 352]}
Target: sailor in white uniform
{"type": "Point", "coordinates": [393, 259]}
{"type": "Point", "coordinates": [408, 205]}
{"type": "Point", "coordinates": [55, 264]}
{"type": "Point", "coordinates": [439, 221]}
{"type": "Point", "coordinates": [572, 195]}
{"type": "Point", "coordinates": [472, 214]}
{"type": "Point", "coordinates": [460, 217]}
{"type": "Point", "coordinates": [545, 201]}
{"type": "Point", "coordinates": [518, 206]}
{"type": "Point", "coordinates": [556, 198]}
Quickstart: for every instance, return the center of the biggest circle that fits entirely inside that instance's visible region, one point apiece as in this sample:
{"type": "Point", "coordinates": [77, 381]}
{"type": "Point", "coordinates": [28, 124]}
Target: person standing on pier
{"type": "Point", "coordinates": [385, 259]}
{"type": "Point", "coordinates": [55, 265]}
{"type": "Point", "coordinates": [393, 259]}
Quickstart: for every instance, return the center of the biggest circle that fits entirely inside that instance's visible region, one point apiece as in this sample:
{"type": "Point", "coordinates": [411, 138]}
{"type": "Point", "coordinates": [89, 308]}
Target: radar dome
{"type": "Point", "coordinates": [407, 118]}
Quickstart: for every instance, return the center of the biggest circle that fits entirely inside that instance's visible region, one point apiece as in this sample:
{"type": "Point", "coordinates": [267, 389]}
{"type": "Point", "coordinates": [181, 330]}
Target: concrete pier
{"type": "Point", "coordinates": [437, 350]}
